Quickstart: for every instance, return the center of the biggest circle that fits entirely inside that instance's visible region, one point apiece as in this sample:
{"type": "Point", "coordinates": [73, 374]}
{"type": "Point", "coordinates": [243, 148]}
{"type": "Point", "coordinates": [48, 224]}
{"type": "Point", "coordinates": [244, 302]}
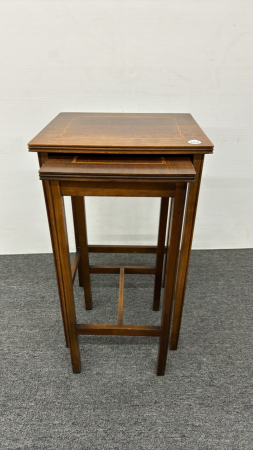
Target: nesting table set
{"type": "Point", "coordinates": [125, 155]}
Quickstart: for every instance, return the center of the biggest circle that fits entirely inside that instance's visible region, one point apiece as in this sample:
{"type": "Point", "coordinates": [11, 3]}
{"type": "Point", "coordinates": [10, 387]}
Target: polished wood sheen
{"type": "Point", "coordinates": [123, 249]}
{"type": "Point", "coordinates": [171, 273]}
{"type": "Point", "coordinates": [121, 133]}
{"type": "Point", "coordinates": [127, 167]}
{"type": "Point", "coordinates": [118, 330]}
{"type": "Point", "coordinates": [76, 263]}
{"type": "Point", "coordinates": [77, 232]}
{"type": "Point", "coordinates": [194, 189]}
{"type": "Point", "coordinates": [116, 154]}
{"type": "Point", "coordinates": [119, 188]}
{"type": "Point", "coordinates": [83, 241]}
{"type": "Point", "coordinates": [66, 275]}
{"type": "Point", "coordinates": [140, 270]}
{"type": "Point", "coordinates": [175, 178]}
{"type": "Point", "coordinates": [160, 252]}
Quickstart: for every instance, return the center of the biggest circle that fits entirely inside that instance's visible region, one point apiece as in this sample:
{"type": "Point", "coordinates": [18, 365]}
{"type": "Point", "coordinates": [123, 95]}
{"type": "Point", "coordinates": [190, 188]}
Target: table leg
{"type": "Point", "coordinates": [83, 243]}
{"type": "Point", "coordinates": [75, 220]}
{"type": "Point", "coordinates": [167, 243]}
{"type": "Point", "coordinates": [53, 234]}
{"type": "Point", "coordinates": [185, 253]}
{"type": "Point", "coordinates": [56, 253]}
{"type": "Point", "coordinates": [171, 272]}
{"type": "Point", "coordinates": [160, 252]}
{"type": "Point", "coordinates": [65, 274]}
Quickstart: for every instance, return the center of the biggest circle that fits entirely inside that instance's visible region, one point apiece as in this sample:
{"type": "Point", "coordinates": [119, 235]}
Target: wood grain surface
{"type": "Point", "coordinates": [152, 167]}
{"type": "Point", "coordinates": [116, 132]}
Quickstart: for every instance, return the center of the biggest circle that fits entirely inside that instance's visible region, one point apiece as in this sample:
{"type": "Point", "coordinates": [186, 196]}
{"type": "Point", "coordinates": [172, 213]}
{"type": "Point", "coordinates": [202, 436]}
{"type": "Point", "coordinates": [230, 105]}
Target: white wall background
{"type": "Point", "coordinates": [128, 56]}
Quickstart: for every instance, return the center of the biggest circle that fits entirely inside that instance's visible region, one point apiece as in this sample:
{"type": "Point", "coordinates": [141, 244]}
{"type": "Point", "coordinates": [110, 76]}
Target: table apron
{"type": "Point", "coordinates": [117, 189]}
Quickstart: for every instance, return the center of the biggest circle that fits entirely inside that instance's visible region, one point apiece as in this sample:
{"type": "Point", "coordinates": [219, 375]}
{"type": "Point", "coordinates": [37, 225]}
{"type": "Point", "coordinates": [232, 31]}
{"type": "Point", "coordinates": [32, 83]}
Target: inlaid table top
{"type": "Point", "coordinates": [122, 133]}
{"type": "Point", "coordinates": [172, 168]}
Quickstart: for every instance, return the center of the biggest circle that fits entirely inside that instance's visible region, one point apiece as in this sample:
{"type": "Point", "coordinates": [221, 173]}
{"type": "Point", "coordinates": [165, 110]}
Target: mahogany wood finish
{"type": "Point", "coordinates": [60, 221]}
{"type": "Point", "coordinates": [83, 240]}
{"type": "Point", "coordinates": [185, 253]}
{"type": "Point", "coordinates": [123, 249]}
{"type": "Point", "coordinates": [141, 270]}
{"type": "Point", "coordinates": [119, 330]}
{"type": "Point", "coordinates": [56, 178]}
{"type": "Point", "coordinates": [76, 231]}
{"type": "Point", "coordinates": [119, 189]}
{"type": "Point", "coordinates": [121, 296]}
{"type": "Point", "coordinates": [168, 238]}
{"type": "Point", "coordinates": [56, 253]}
{"type": "Point", "coordinates": [121, 133]}
{"type": "Point", "coordinates": [160, 252]}
{"type": "Point", "coordinates": [171, 271]}
{"type": "Point", "coordinates": [79, 137]}
{"type": "Point", "coordinates": [118, 167]}
{"type": "Point", "coordinates": [76, 264]}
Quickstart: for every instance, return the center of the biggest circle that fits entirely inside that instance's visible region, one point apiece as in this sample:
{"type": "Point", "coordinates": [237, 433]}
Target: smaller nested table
{"type": "Point", "coordinates": [117, 175]}
{"type": "Point", "coordinates": [74, 135]}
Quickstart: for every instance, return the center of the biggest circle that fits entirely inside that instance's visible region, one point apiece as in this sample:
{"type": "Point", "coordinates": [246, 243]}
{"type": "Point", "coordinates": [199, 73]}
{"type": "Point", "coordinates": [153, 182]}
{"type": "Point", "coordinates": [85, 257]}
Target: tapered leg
{"type": "Point", "coordinates": [83, 243]}
{"type": "Point", "coordinates": [167, 242]}
{"type": "Point", "coordinates": [185, 253]}
{"type": "Point", "coordinates": [56, 253]}
{"type": "Point", "coordinates": [65, 274]}
{"type": "Point", "coordinates": [160, 252]}
{"type": "Point", "coordinates": [171, 271]}
{"type": "Point", "coordinates": [75, 220]}
{"type": "Point", "coordinates": [55, 246]}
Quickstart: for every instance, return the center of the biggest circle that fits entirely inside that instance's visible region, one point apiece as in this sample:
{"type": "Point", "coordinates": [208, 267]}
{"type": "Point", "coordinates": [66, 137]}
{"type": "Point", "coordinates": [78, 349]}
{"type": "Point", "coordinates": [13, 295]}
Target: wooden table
{"type": "Point", "coordinates": [79, 176]}
{"type": "Point", "coordinates": [118, 133]}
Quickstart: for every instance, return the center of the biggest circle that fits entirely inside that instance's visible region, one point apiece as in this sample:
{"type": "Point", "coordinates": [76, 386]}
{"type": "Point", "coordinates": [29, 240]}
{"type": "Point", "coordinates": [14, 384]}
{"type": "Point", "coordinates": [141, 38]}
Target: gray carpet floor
{"type": "Point", "coordinates": [205, 399]}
